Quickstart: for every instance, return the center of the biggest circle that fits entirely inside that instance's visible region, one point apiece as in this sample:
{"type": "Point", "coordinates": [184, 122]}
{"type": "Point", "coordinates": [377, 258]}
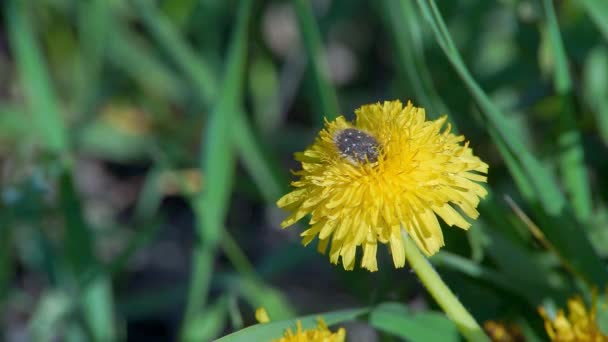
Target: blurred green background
{"type": "Point", "coordinates": [144, 144]}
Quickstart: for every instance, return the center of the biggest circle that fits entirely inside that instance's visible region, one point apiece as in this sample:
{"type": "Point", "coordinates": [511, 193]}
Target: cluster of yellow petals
{"type": "Point", "coordinates": [580, 325]}
{"type": "Point", "coordinates": [319, 334]}
{"type": "Point", "coordinates": [422, 171]}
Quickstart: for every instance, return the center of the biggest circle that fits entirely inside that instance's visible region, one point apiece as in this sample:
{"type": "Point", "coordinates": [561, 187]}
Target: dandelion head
{"type": "Point", "coordinates": [390, 171]}
{"type": "Point", "coordinates": [320, 333]}
{"type": "Point", "coordinates": [580, 324]}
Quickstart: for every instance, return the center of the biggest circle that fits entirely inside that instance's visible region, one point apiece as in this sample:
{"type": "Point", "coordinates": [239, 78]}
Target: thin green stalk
{"type": "Point", "coordinates": [217, 164]}
{"type": "Point", "coordinates": [200, 74]}
{"type": "Point", "coordinates": [571, 154]}
{"type": "Point", "coordinates": [442, 294]}
{"type": "Point", "coordinates": [598, 11]}
{"type": "Point", "coordinates": [238, 259]}
{"type": "Point", "coordinates": [34, 77]}
{"type": "Point", "coordinates": [251, 152]}
{"type": "Point", "coordinates": [318, 61]}
{"type": "Point", "coordinates": [403, 23]}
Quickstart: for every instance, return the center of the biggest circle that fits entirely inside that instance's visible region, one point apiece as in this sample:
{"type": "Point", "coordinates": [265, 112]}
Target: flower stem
{"type": "Point", "coordinates": [442, 293]}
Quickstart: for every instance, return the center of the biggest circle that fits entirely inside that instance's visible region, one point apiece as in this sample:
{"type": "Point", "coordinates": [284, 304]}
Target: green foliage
{"type": "Point", "coordinates": [145, 143]}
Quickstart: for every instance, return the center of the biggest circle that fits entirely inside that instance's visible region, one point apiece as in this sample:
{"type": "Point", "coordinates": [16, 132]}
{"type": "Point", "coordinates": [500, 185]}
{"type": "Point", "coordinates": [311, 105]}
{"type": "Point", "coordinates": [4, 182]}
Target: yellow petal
{"type": "Point", "coordinates": [397, 247]}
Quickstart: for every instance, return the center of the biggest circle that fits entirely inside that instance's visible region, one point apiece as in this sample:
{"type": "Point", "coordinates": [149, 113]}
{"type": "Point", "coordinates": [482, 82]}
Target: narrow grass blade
{"type": "Point", "coordinates": [543, 181]}
{"type": "Point", "coordinates": [93, 19]}
{"type": "Point", "coordinates": [250, 150]}
{"type": "Point", "coordinates": [97, 303]}
{"type": "Point", "coordinates": [14, 124]}
{"type": "Point", "coordinates": [275, 329]}
{"type": "Point", "coordinates": [396, 319]}
{"type": "Point", "coordinates": [595, 88]}
{"type": "Point", "coordinates": [208, 325]}
{"type": "Point", "coordinates": [129, 53]}
{"type": "Point", "coordinates": [265, 91]}
{"type": "Point", "coordinates": [217, 164]}
{"type": "Point", "coordinates": [571, 154]}
{"type": "Point", "coordinates": [598, 11]}
{"type": "Point", "coordinates": [51, 311]}
{"type": "Point", "coordinates": [179, 11]}
{"type": "Point", "coordinates": [191, 65]}
{"type": "Point", "coordinates": [403, 23]}
{"type": "Point", "coordinates": [571, 242]}
{"type": "Point", "coordinates": [258, 294]}
{"type": "Point", "coordinates": [317, 59]}
{"type": "Point", "coordinates": [34, 77]}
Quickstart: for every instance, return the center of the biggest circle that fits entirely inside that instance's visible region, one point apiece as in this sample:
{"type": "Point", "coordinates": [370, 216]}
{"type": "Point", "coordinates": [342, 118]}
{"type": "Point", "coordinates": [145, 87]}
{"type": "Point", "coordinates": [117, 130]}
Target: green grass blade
{"type": "Point", "coordinates": [217, 165]}
{"type": "Point", "coordinates": [258, 294]}
{"type": "Point", "coordinates": [93, 19]}
{"type": "Point", "coordinates": [571, 154]}
{"type": "Point", "coordinates": [207, 326]}
{"type": "Point", "coordinates": [201, 75]}
{"type": "Point", "coordinates": [572, 245]}
{"type": "Point", "coordinates": [396, 319]}
{"type": "Point", "coordinates": [250, 150]}
{"type": "Point", "coordinates": [264, 90]}
{"type": "Point", "coordinates": [129, 53]}
{"type": "Point", "coordinates": [327, 97]}
{"type": "Point", "coordinates": [561, 75]}
{"type": "Point", "coordinates": [34, 77]}
{"type": "Point", "coordinates": [403, 23]}
{"type": "Point", "coordinates": [275, 329]}
{"type": "Point", "coordinates": [598, 11]}
{"type": "Point", "coordinates": [543, 181]}
{"type": "Point", "coordinates": [595, 88]}
{"type": "Point", "coordinates": [97, 303]}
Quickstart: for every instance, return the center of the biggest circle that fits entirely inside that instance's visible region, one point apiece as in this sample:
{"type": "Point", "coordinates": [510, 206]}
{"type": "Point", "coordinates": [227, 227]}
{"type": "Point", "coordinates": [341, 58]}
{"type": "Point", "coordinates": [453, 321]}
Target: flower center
{"type": "Point", "coordinates": [357, 145]}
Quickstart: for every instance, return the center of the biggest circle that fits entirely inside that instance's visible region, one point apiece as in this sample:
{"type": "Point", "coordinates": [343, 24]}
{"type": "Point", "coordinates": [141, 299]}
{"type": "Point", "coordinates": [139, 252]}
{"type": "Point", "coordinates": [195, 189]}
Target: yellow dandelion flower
{"type": "Point", "coordinates": [319, 334]}
{"type": "Point", "coordinates": [363, 182]}
{"type": "Point", "coordinates": [580, 325]}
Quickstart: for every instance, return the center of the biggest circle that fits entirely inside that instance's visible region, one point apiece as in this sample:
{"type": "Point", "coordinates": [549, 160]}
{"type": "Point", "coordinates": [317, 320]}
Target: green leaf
{"type": "Point", "coordinates": [395, 318]}
{"type": "Point", "coordinates": [34, 77]}
{"type": "Point", "coordinates": [275, 329]}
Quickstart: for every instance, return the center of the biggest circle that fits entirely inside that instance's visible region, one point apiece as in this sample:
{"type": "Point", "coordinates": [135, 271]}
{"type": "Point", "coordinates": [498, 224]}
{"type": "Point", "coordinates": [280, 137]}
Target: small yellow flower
{"type": "Point", "coordinates": [389, 170]}
{"type": "Point", "coordinates": [580, 325]}
{"type": "Point", "coordinates": [261, 315]}
{"type": "Point", "coordinates": [319, 334]}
